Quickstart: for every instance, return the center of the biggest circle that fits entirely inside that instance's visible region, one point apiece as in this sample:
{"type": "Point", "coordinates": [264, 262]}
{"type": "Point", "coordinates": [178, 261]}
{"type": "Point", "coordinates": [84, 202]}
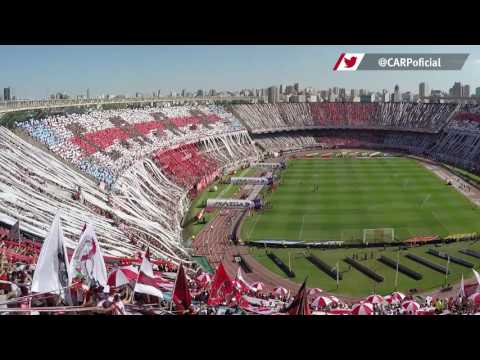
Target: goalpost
{"type": "Point", "coordinates": [379, 235]}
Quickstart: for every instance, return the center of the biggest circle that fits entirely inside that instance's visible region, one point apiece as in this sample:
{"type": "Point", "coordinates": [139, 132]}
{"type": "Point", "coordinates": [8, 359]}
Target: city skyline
{"type": "Point", "coordinates": [39, 71]}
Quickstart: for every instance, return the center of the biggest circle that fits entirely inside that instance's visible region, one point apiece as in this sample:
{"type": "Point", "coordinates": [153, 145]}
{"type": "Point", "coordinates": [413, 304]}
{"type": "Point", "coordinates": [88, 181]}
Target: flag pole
{"type": "Point", "coordinates": [338, 270]}
{"type": "Point", "coordinates": [136, 281]}
{"type": "Point", "coordinates": [396, 272]}
{"type": "Point", "coordinates": [174, 287]}
{"type": "Point", "coordinates": [446, 272]}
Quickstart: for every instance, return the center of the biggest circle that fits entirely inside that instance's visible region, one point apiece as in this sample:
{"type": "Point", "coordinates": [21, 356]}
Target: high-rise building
{"type": "Point", "coordinates": [385, 96]}
{"type": "Point", "coordinates": [354, 93]}
{"type": "Point", "coordinates": [456, 90]}
{"type": "Point", "coordinates": [396, 94]}
{"type": "Point", "coordinates": [477, 91]}
{"type": "Point", "coordinates": [342, 94]}
{"type": "Point", "coordinates": [289, 89]}
{"type": "Point", "coordinates": [200, 92]}
{"type": "Point", "coordinates": [466, 91]}
{"type": "Point", "coordinates": [423, 90]}
{"type": "Point", "coordinates": [7, 94]}
{"type": "Point", "coordinates": [407, 96]}
{"type": "Point", "coordinates": [296, 87]}
{"type": "Point", "coordinates": [88, 93]}
{"type": "Point", "coordinates": [297, 98]}
{"type": "Point", "coordinates": [281, 89]}
{"type": "Point", "coordinates": [272, 94]}
{"type": "Point", "coordinates": [367, 98]}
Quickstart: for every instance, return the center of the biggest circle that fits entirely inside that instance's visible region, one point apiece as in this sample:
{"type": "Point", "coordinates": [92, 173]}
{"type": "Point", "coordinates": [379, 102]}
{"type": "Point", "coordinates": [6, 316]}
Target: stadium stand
{"type": "Point", "coordinates": [406, 116]}
{"type": "Point", "coordinates": [149, 162]}
{"type": "Point", "coordinates": [105, 143]}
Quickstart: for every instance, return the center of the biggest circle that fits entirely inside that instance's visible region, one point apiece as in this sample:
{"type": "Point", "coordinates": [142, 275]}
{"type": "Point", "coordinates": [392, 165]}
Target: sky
{"type": "Point", "coordinates": [37, 71]}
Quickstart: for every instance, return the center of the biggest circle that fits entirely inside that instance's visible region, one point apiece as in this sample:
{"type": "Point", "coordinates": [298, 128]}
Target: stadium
{"type": "Point", "coordinates": [323, 208]}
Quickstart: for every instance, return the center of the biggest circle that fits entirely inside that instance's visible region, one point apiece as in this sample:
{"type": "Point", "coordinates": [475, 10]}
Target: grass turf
{"type": "Point", "coordinates": [355, 283]}
{"type": "Point", "coordinates": [356, 194]}
{"type": "Point", "coordinates": [223, 191]}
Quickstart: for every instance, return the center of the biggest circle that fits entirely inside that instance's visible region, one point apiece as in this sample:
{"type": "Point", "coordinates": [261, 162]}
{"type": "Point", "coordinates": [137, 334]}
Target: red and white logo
{"type": "Point", "coordinates": [348, 61]}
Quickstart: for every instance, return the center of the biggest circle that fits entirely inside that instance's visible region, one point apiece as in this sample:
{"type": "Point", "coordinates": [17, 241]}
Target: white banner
{"type": "Point", "coordinates": [268, 165]}
{"type": "Point", "coordinates": [229, 204]}
{"type": "Point", "coordinates": [51, 270]}
{"type": "Point", "coordinates": [249, 180]}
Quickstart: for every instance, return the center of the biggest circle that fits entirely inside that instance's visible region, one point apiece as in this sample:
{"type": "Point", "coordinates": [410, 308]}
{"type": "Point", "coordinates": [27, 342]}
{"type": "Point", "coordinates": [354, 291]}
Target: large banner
{"type": "Point", "coordinates": [230, 204]}
{"type": "Point", "coordinates": [251, 180]}
{"type": "Point", "coordinates": [277, 165]}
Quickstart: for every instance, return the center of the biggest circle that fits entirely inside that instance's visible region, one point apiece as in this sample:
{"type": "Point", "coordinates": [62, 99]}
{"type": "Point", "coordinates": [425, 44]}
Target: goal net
{"type": "Point", "coordinates": [379, 235]}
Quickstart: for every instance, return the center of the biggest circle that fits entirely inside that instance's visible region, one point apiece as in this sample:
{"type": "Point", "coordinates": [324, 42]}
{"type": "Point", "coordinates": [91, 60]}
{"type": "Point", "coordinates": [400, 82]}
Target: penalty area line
{"type": "Point", "coordinates": [300, 234]}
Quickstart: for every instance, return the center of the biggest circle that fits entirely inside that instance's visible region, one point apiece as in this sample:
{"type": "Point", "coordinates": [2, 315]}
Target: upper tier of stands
{"type": "Point", "coordinates": [144, 208]}
{"type": "Point", "coordinates": [103, 144]}
{"type": "Point", "coordinates": [466, 119]}
{"type": "Point", "coordinates": [399, 116]}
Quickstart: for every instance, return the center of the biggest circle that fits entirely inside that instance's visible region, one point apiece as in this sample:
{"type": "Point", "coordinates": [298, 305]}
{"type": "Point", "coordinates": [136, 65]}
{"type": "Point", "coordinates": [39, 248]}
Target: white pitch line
{"type": "Point", "coordinates": [254, 225]}
{"type": "Point", "coordinates": [427, 197]}
{"type": "Point", "coordinates": [301, 229]}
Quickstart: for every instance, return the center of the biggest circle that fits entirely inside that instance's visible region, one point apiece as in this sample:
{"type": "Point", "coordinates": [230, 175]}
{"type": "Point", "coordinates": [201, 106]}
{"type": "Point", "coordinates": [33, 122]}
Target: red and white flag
{"type": "Point", "coordinates": [222, 286]}
{"type": "Point", "coordinates": [181, 295]}
{"type": "Point", "coordinates": [461, 292]}
{"type": "Point", "coordinates": [240, 283]}
{"type": "Point", "coordinates": [87, 260]}
{"type": "Point", "coordinates": [146, 282]}
{"type": "Point", "coordinates": [348, 61]}
{"type": "Point", "coordinates": [477, 276]}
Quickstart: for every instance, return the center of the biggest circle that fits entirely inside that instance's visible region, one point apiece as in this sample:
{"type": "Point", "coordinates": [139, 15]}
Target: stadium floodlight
{"type": "Point", "coordinates": [379, 235]}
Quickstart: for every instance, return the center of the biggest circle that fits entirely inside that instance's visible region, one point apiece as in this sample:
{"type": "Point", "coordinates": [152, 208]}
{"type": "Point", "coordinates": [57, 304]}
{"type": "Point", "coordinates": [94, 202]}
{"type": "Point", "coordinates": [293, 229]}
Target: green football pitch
{"type": "Point", "coordinates": [355, 283]}
{"type": "Point", "coordinates": [321, 200]}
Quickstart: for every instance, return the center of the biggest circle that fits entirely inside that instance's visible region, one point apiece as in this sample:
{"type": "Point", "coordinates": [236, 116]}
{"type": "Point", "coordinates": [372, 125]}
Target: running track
{"type": "Point", "coordinates": [212, 242]}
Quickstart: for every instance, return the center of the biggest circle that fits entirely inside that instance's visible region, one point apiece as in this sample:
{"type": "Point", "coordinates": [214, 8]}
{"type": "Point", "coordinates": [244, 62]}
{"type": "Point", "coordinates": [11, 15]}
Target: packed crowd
{"type": "Point", "coordinates": [285, 143]}
{"type": "Point", "coordinates": [409, 116]}
{"type": "Point", "coordinates": [144, 207]}
{"type": "Point", "coordinates": [121, 295]}
{"type": "Point", "coordinates": [457, 144]}
{"type": "Point", "coordinates": [334, 139]}
{"type": "Point", "coordinates": [188, 167]}
{"type": "Point", "coordinates": [342, 114]}
{"type": "Point", "coordinates": [104, 143]}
